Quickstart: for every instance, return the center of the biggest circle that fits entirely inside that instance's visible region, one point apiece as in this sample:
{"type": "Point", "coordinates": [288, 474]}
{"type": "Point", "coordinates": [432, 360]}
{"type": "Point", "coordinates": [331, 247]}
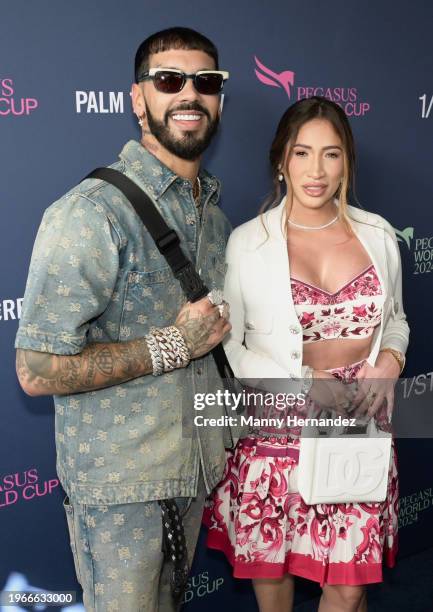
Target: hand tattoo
{"type": "Point", "coordinates": [196, 331]}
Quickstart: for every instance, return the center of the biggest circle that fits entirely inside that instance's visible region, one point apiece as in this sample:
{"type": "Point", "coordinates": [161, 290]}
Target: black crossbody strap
{"type": "Point", "coordinates": [168, 243]}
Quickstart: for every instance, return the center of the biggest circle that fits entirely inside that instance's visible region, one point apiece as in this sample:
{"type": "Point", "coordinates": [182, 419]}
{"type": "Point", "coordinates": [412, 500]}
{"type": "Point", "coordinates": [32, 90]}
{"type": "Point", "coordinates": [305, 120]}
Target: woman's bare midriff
{"type": "Point", "coordinates": [327, 354]}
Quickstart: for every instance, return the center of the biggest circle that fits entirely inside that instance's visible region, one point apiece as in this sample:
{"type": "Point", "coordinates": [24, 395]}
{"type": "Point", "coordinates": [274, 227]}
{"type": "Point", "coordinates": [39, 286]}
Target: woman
{"type": "Point", "coordinates": [314, 287]}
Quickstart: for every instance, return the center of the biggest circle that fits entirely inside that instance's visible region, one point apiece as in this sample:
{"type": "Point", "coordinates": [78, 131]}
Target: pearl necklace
{"type": "Point", "coordinates": [317, 227]}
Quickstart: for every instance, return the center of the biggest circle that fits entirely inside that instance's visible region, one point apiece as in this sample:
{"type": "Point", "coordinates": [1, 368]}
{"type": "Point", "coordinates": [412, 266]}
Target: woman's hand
{"type": "Point", "coordinates": [376, 384]}
{"type": "Point", "coordinates": [330, 393]}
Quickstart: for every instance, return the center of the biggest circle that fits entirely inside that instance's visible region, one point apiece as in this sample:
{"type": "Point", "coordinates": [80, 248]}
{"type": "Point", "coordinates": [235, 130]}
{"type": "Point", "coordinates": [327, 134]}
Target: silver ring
{"type": "Point", "coordinates": [215, 297]}
{"type": "Point", "coordinates": [224, 310]}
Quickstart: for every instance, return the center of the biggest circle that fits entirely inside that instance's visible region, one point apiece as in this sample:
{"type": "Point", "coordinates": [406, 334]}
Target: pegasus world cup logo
{"type": "Point", "coordinates": [346, 97]}
{"type": "Point", "coordinates": [13, 105]}
{"type": "Point", "coordinates": [283, 79]}
{"type": "Point", "coordinates": [420, 248]}
{"type": "Point", "coordinates": [405, 235]}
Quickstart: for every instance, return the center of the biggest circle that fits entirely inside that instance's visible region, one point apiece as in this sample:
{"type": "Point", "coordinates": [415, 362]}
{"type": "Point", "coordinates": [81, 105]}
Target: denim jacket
{"type": "Point", "coordinates": [97, 276]}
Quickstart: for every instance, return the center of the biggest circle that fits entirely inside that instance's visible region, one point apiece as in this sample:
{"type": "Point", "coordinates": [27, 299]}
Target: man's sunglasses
{"type": "Point", "coordinates": [171, 81]}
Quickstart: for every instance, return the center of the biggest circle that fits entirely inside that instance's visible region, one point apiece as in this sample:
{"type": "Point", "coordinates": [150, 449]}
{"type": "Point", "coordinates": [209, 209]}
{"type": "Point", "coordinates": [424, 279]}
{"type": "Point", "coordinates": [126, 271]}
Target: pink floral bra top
{"type": "Point", "coordinates": [352, 312]}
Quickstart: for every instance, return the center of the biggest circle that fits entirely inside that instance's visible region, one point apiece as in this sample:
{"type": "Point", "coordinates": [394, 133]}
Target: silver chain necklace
{"type": "Point", "coordinates": [316, 227]}
{"type": "Point", "coordinates": [196, 191]}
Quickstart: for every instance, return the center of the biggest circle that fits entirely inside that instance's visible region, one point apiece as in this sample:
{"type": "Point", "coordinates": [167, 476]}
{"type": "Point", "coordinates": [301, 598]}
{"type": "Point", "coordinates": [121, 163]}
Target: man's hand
{"type": "Point", "coordinates": [202, 326]}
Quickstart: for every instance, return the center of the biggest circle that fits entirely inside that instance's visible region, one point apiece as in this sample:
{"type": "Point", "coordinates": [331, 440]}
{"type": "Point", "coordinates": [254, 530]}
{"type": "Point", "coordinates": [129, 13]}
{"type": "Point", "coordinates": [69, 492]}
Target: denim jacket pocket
{"type": "Point", "coordinates": [145, 302]}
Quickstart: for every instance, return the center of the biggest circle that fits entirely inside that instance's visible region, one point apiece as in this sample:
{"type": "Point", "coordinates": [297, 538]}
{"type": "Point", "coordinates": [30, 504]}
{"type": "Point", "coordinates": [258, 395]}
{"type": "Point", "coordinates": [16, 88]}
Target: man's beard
{"type": "Point", "coordinates": [189, 146]}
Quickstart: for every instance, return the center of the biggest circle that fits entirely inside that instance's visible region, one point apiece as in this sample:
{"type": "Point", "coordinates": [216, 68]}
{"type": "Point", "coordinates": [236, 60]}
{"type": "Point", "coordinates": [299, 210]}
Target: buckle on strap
{"type": "Point", "coordinates": [167, 241]}
{"type": "Point", "coordinates": [191, 283]}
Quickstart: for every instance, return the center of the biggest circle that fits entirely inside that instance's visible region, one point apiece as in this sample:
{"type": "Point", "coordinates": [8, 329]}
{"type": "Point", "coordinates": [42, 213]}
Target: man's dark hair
{"type": "Point", "coordinates": [172, 38]}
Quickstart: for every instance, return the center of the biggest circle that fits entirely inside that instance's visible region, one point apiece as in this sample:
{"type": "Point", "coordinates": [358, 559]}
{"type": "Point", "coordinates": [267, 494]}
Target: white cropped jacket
{"type": "Point", "coordinates": [266, 337]}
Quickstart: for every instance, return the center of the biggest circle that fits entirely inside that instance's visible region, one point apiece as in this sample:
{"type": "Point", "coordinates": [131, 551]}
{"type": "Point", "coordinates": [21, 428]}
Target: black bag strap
{"type": "Point", "coordinates": [168, 243]}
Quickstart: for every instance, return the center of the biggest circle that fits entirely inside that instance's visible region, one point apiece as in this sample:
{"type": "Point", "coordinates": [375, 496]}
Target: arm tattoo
{"type": "Point", "coordinates": [99, 365]}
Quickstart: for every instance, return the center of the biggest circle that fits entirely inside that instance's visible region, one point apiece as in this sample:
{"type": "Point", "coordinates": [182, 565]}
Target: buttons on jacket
{"type": "Point", "coordinates": [295, 354]}
{"type": "Point", "coordinates": [249, 325]}
{"type": "Point", "coordinates": [294, 329]}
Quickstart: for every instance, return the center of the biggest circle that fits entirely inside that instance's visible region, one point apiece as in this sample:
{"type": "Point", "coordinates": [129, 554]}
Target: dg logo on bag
{"type": "Point", "coordinates": [356, 473]}
{"type": "Point", "coordinates": [338, 470]}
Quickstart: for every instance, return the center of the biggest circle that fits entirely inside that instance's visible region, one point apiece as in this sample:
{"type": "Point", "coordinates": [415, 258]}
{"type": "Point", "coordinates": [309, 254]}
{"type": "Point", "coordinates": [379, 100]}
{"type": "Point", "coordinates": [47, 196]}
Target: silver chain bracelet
{"type": "Point", "coordinates": [155, 355]}
{"type": "Point", "coordinates": [168, 349]}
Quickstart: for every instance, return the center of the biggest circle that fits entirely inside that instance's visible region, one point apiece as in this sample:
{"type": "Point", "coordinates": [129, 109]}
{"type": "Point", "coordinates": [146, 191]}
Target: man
{"type": "Point", "coordinates": [97, 287]}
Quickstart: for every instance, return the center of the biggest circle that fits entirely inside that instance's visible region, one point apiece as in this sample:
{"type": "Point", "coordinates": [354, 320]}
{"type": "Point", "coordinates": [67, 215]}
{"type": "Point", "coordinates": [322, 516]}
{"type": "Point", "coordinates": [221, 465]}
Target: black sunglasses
{"type": "Point", "coordinates": [171, 80]}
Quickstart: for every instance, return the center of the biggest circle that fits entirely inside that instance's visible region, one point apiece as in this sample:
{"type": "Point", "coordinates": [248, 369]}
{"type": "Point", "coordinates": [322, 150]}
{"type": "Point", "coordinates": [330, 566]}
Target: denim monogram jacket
{"type": "Point", "coordinates": [97, 276]}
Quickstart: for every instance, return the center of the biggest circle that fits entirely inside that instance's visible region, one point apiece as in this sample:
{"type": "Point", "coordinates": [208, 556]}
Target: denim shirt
{"type": "Point", "coordinates": [97, 276]}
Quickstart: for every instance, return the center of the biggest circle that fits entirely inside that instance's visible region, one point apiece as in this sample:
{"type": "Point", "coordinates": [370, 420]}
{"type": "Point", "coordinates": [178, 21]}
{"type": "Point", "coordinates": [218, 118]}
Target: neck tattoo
{"type": "Point", "coordinates": [150, 146]}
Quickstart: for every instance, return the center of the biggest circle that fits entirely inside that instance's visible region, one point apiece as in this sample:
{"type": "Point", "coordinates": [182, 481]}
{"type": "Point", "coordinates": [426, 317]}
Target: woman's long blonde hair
{"type": "Point", "coordinates": [290, 123]}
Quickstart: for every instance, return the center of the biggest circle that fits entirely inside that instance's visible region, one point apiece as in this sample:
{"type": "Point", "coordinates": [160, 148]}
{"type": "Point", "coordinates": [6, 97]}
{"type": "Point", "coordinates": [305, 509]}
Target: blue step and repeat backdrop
{"type": "Point", "coordinates": [65, 74]}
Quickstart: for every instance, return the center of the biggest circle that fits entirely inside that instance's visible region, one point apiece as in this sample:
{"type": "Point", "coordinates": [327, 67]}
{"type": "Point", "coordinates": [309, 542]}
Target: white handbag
{"type": "Point", "coordinates": [353, 468]}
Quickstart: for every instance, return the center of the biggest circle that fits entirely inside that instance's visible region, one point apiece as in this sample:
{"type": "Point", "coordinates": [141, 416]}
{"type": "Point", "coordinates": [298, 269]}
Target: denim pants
{"type": "Point", "coordinates": [117, 553]}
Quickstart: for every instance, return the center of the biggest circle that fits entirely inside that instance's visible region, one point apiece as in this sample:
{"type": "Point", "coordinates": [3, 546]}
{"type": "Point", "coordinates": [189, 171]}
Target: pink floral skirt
{"type": "Point", "coordinates": [257, 517]}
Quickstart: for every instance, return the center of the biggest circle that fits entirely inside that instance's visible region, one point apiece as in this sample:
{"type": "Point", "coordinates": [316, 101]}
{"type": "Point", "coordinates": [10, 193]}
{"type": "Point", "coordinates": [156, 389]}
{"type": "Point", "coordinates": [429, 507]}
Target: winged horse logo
{"type": "Point", "coordinates": [405, 235]}
{"type": "Point", "coordinates": [283, 79]}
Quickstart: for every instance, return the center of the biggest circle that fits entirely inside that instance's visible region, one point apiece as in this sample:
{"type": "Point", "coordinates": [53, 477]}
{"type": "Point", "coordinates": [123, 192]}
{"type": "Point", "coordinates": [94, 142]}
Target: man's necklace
{"type": "Point", "coordinates": [196, 191]}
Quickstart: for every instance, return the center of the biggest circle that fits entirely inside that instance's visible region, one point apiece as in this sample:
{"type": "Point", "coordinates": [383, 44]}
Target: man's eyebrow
{"type": "Point", "coordinates": [298, 144]}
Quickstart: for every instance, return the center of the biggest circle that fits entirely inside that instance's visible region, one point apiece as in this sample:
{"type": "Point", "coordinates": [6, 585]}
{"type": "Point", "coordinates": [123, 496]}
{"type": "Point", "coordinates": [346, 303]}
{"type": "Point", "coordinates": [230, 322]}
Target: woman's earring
{"type": "Point", "coordinates": [140, 120]}
{"type": "Point", "coordinates": [281, 177]}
